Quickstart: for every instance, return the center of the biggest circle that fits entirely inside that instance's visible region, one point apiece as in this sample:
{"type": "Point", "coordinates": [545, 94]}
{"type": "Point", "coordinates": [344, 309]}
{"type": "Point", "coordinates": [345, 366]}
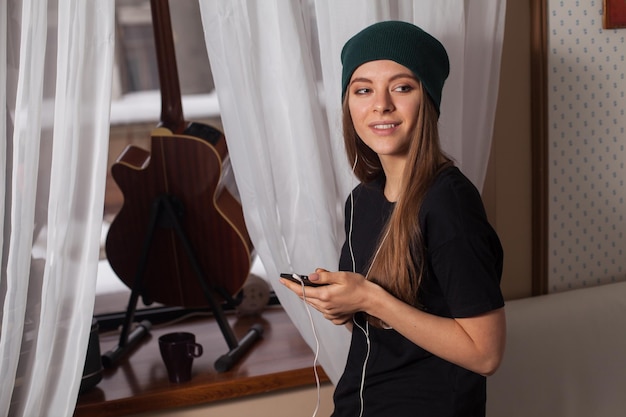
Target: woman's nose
{"type": "Point", "coordinates": [383, 103]}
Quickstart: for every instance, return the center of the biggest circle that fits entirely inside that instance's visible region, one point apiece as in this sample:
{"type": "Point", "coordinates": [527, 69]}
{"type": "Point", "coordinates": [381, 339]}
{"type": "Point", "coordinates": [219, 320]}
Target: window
{"type": "Point", "coordinates": [135, 107]}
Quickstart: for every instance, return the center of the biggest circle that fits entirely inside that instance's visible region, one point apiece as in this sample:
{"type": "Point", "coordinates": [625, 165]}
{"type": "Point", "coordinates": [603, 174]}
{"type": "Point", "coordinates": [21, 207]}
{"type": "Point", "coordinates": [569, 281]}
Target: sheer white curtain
{"type": "Point", "coordinates": [277, 70]}
{"type": "Point", "coordinates": [55, 84]}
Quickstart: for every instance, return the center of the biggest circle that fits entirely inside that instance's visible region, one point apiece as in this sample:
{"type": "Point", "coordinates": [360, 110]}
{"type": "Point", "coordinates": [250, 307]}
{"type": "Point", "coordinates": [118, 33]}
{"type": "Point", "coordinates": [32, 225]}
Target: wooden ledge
{"type": "Point", "coordinates": [279, 360]}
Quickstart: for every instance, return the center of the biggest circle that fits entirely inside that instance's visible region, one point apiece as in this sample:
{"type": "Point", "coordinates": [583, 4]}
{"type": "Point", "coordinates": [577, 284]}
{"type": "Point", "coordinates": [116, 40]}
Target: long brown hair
{"type": "Point", "coordinates": [398, 265]}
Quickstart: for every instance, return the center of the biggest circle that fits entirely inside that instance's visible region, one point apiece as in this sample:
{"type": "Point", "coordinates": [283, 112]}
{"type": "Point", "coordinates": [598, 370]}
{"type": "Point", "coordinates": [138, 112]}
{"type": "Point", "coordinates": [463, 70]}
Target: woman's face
{"type": "Point", "coordinates": [384, 99]}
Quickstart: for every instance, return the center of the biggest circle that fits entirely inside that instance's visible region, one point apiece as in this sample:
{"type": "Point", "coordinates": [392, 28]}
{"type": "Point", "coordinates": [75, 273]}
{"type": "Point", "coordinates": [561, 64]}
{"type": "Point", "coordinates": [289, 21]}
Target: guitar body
{"type": "Point", "coordinates": [180, 237]}
{"type": "Point", "coordinates": [186, 169]}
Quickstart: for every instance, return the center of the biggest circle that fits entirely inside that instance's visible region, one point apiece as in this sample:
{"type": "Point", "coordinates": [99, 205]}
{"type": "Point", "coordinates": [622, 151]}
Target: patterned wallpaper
{"type": "Point", "coordinates": [586, 99]}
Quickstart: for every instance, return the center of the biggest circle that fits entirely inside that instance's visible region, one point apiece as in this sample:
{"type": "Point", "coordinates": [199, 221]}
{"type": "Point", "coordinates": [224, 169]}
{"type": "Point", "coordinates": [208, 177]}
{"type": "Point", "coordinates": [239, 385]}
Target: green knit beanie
{"type": "Point", "coordinates": [403, 43]}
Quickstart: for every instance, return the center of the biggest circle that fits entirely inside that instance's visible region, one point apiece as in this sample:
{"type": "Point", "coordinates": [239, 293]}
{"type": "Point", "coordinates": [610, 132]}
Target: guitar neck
{"type": "Point", "coordinates": [171, 104]}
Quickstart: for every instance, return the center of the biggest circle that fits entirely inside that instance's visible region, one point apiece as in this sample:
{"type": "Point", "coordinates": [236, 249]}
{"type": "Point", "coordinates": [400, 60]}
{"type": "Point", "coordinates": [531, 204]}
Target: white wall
{"type": "Point", "coordinates": [586, 100]}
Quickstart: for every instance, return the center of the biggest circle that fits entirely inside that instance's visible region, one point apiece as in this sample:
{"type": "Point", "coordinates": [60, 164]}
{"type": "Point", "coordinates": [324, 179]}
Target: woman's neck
{"type": "Point", "coordinates": [394, 170]}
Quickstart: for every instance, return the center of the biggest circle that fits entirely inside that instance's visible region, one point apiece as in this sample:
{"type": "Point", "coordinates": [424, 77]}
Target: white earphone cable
{"type": "Point", "coordinates": [317, 344]}
{"type": "Point", "coordinates": [351, 217]}
{"type": "Point", "coordinates": [366, 330]}
{"type": "Point", "coordinates": [367, 355]}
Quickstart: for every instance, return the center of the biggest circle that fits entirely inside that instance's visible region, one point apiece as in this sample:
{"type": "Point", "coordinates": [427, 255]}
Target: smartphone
{"type": "Point", "coordinates": [300, 280]}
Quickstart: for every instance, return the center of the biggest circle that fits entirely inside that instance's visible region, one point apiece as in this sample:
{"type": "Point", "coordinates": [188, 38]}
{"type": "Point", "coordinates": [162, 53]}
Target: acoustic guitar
{"type": "Point", "coordinates": [182, 170]}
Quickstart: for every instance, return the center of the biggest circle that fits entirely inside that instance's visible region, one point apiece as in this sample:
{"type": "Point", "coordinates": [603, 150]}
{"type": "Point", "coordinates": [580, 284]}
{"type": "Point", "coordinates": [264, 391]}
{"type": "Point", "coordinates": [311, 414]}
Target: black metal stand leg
{"type": "Point", "coordinates": [163, 205]}
{"type": "Point", "coordinates": [236, 348]}
{"type": "Point", "coordinates": [127, 339]}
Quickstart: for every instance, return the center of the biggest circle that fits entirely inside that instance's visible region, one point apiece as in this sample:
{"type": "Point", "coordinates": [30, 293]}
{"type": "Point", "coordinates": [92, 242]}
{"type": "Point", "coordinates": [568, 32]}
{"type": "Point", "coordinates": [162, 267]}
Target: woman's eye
{"type": "Point", "coordinates": [363, 90]}
{"type": "Point", "coordinates": [403, 88]}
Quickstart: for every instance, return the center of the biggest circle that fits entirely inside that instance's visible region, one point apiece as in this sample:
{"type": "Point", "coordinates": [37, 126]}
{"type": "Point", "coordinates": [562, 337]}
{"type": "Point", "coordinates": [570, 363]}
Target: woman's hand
{"type": "Point", "coordinates": [338, 301]}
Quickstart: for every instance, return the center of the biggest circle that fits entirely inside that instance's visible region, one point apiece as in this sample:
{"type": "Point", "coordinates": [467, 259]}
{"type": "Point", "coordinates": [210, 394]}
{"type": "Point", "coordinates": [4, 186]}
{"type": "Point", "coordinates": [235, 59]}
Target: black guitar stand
{"type": "Point", "coordinates": [164, 214]}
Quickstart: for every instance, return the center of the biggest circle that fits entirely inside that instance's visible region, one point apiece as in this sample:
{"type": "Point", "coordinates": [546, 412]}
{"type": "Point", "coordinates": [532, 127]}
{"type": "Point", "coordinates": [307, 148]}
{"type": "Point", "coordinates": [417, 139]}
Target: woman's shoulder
{"type": "Point", "coordinates": [453, 210]}
{"type": "Point", "coordinates": [372, 189]}
{"type": "Point", "coordinates": [452, 197]}
{"type": "Point", "coordinates": [454, 176]}
{"type": "Point", "coordinates": [452, 184]}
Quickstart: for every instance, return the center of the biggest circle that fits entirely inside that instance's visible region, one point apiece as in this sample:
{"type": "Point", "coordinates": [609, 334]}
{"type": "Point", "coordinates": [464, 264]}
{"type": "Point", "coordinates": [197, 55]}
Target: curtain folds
{"type": "Point", "coordinates": [277, 71]}
{"type": "Point", "coordinates": [57, 59]}
{"type": "Point", "coordinates": [261, 55]}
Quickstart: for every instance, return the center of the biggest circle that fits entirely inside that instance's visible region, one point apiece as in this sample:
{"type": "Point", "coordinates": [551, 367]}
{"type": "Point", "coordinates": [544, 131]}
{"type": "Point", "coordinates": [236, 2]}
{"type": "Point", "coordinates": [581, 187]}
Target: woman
{"type": "Point", "coordinates": [420, 269]}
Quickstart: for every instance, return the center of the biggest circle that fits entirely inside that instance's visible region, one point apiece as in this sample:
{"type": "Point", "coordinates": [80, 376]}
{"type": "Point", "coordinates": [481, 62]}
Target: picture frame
{"type": "Point", "coordinates": [614, 14]}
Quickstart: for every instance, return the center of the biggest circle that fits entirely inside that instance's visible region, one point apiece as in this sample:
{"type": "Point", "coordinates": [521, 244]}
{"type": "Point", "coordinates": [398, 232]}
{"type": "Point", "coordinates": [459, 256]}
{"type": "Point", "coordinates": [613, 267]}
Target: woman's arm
{"type": "Point", "coordinates": [475, 343]}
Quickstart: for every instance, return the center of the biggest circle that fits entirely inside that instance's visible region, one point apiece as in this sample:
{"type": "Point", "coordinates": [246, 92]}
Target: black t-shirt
{"type": "Point", "coordinates": [463, 271]}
